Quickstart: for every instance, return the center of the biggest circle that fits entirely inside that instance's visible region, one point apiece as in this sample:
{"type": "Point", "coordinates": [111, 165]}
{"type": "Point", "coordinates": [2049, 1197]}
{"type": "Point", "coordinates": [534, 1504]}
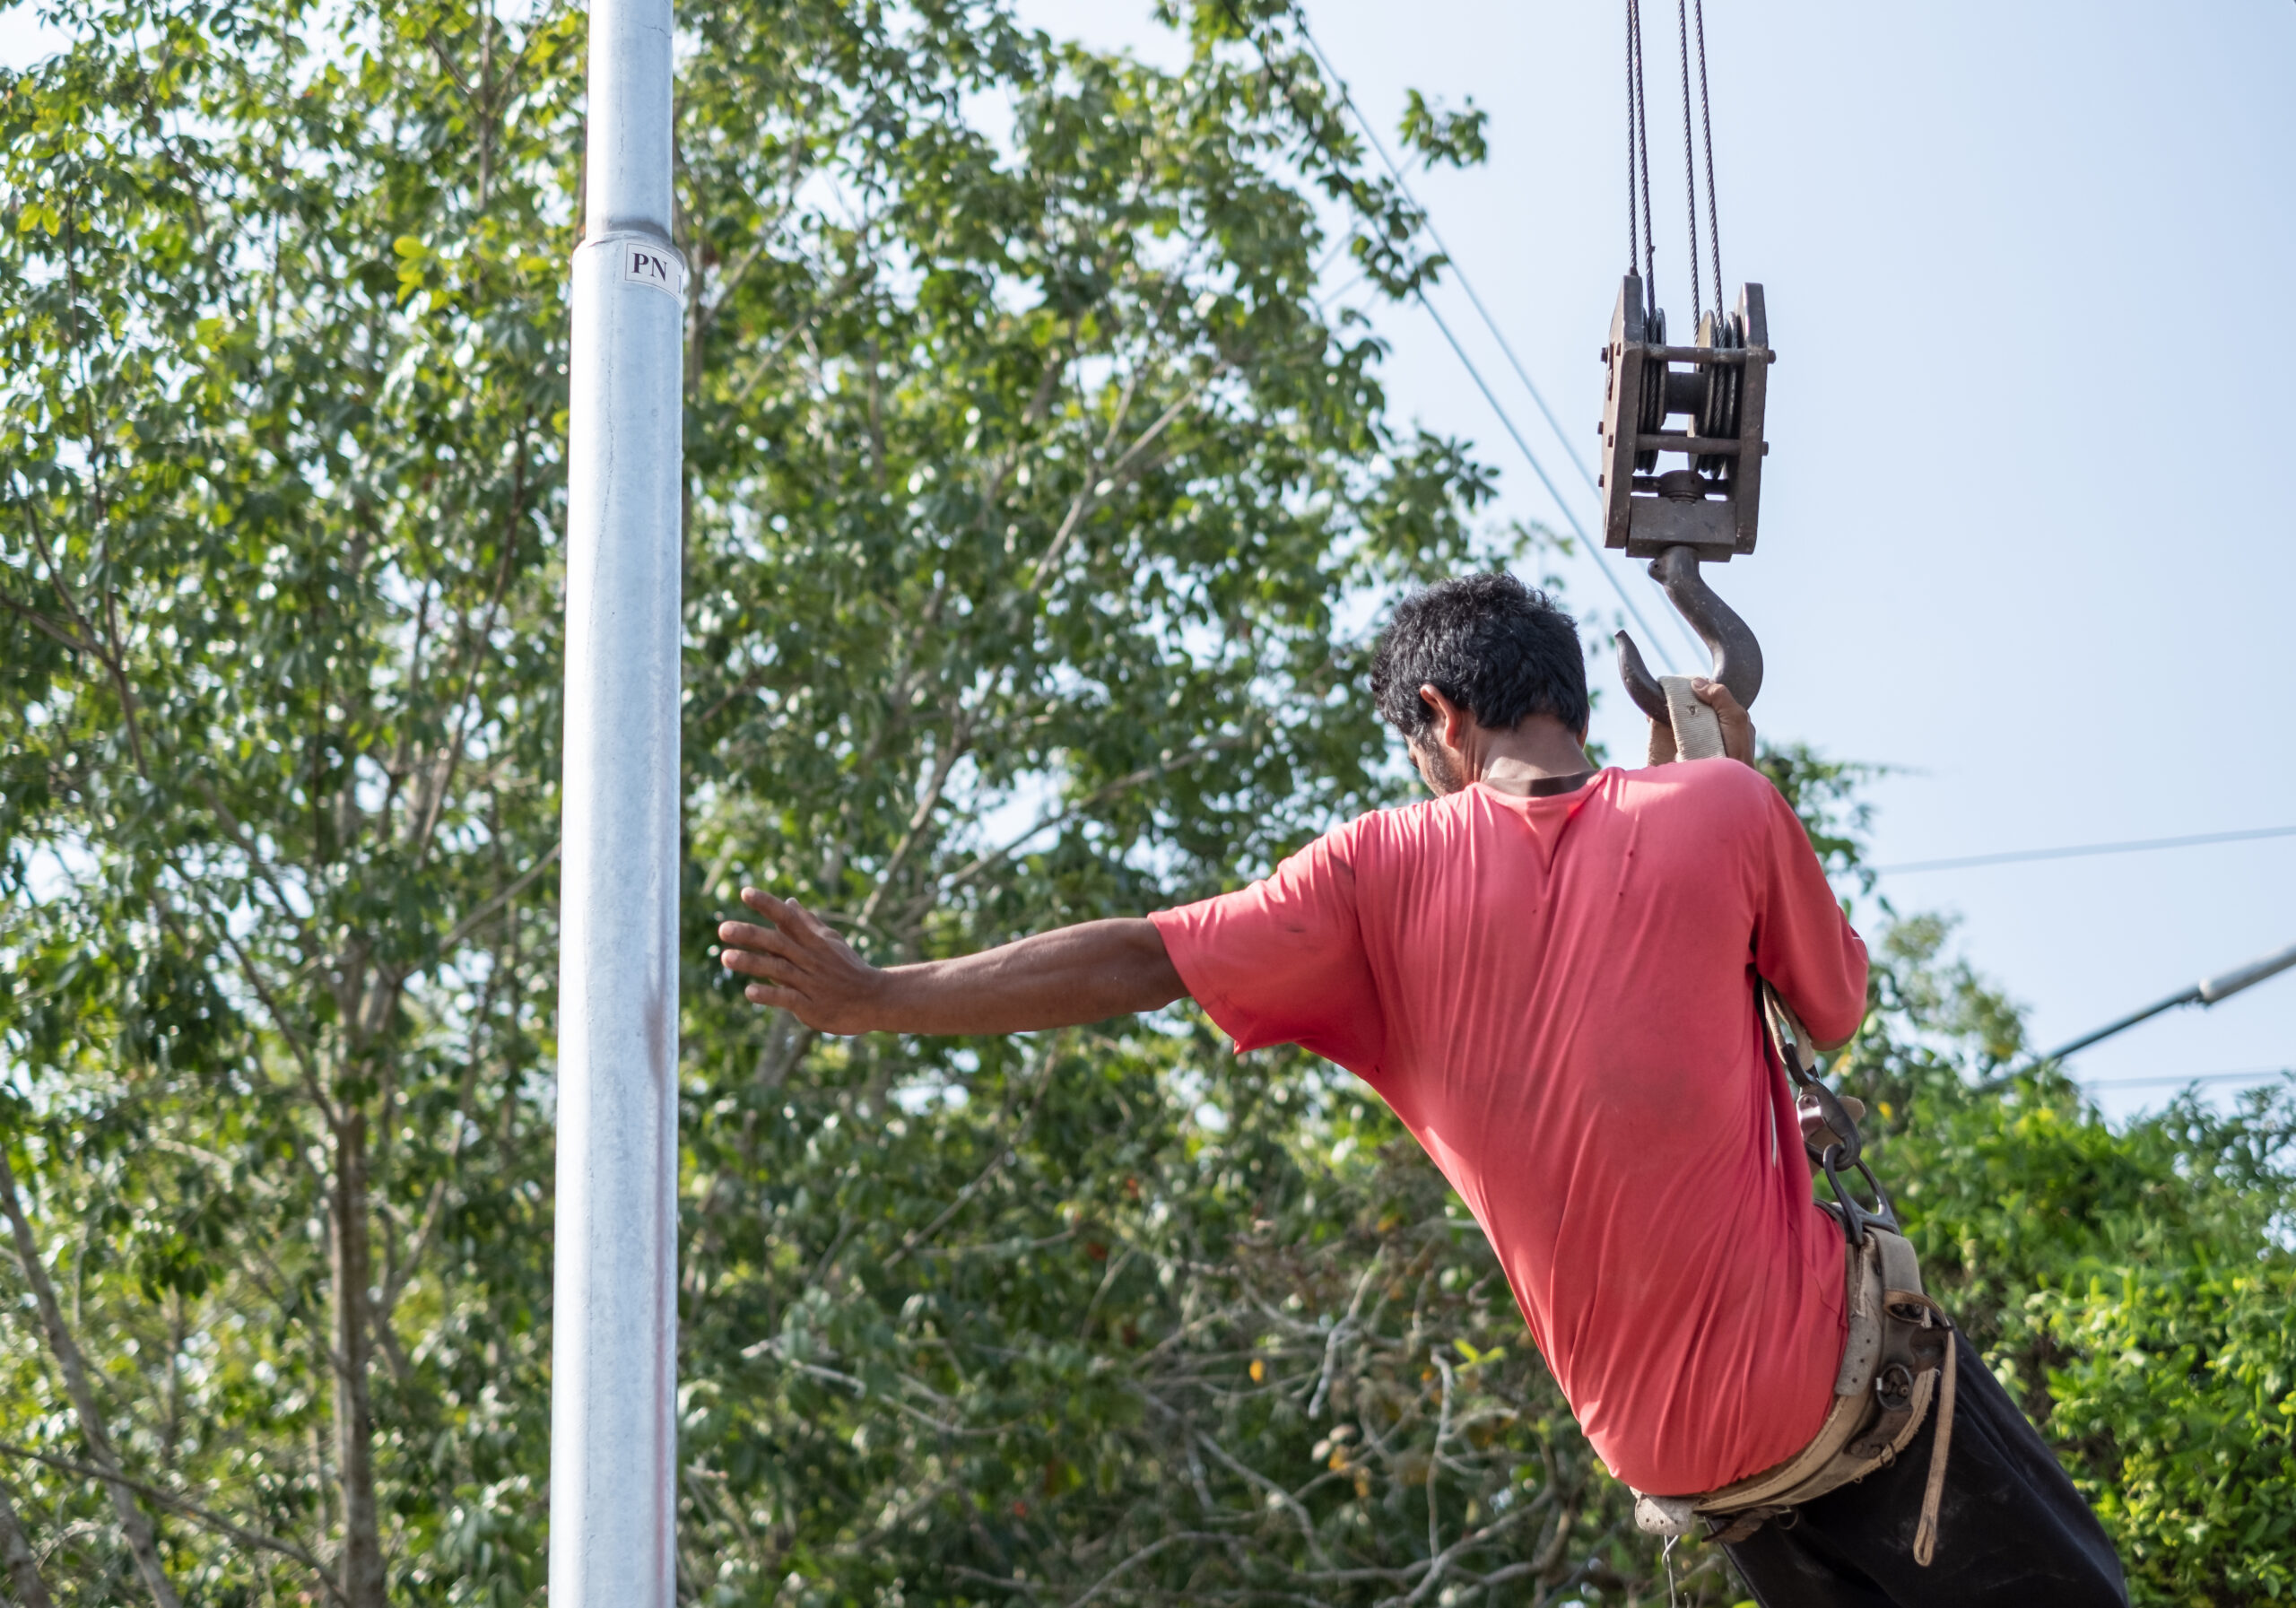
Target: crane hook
{"type": "Point", "coordinates": [1737, 657]}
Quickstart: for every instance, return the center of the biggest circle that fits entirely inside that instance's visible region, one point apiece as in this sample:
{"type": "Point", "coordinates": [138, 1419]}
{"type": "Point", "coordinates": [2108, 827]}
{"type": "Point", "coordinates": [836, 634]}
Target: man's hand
{"type": "Point", "coordinates": [1737, 726]}
{"type": "Point", "coordinates": [802, 966]}
{"type": "Point", "coordinates": [1087, 972]}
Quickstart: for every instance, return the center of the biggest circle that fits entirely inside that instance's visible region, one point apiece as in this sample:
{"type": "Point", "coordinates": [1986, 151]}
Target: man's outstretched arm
{"type": "Point", "coordinates": [1087, 972]}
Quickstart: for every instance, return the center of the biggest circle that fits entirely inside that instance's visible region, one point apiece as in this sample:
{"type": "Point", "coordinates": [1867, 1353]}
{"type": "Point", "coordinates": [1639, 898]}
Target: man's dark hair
{"type": "Point", "coordinates": [1490, 645]}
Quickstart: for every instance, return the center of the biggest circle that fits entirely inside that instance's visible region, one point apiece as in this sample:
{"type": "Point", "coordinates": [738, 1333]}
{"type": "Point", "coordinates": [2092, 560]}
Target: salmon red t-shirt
{"type": "Point", "coordinates": [1557, 996]}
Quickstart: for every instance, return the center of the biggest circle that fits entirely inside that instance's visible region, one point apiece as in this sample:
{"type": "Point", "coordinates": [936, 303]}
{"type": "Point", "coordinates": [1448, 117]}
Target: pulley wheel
{"type": "Point", "coordinates": [1653, 408]}
{"type": "Point", "coordinates": [1724, 385]}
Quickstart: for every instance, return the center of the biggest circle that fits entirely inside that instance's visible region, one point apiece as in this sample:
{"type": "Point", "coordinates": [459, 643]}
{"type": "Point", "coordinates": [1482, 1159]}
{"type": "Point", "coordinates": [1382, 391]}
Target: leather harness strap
{"type": "Point", "coordinates": [1897, 1355]}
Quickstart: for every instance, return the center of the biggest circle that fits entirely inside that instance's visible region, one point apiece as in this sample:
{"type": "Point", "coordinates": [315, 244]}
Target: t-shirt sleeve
{"type": "Point", "coordinates": [1283, 961]}
{"type": "Point", "coordinates": [1803, 942]}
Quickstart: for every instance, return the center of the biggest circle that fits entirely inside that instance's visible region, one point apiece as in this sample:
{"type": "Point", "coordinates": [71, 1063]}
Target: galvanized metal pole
{"type": "Point", "coordinates": [614, 1427]}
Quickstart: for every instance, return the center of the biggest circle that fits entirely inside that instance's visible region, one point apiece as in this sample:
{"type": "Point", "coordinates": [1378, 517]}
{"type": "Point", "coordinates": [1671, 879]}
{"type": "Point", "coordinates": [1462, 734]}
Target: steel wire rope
{"type": "Point", "coordinates": [1713, 200]}
{"type": "Point", "coordinates": [1689, 170]}
{"type": "Point", "coordinates": [1427, 221]}
{"type": "Point", "coordinates": [1638, 122]}
{"type": "Point", "coordinates": [1633, 237]}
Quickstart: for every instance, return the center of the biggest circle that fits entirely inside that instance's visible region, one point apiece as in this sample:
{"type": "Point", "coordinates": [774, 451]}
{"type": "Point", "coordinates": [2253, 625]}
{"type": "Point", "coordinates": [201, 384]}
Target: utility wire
{"type": "Point", "coordinates": [2264, 1075]}
{"type": "Point", "coordinates": [1427, 221]}
{"type": "Point", "coordinates": [2206, 993]}
{"type": "Point", "coordinates": [2079, 850]}
{"type": "Point", "coordinates": [1539, 469]}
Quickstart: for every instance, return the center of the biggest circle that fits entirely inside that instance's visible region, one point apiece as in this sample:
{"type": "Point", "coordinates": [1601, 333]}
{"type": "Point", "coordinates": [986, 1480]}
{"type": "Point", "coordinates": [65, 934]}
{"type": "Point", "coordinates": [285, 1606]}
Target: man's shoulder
{"type": "Point", "coordinates": [1712, 792]}
{"type": "Point", "coordinates": [1720, 778]}
{"type": "Point", "coordinates": [1397, 829]}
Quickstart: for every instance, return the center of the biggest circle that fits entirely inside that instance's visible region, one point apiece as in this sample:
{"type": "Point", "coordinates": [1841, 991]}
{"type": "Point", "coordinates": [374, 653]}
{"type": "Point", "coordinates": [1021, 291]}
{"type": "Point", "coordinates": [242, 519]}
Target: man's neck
{"type": "Point", "coordinates": [1540, 749]}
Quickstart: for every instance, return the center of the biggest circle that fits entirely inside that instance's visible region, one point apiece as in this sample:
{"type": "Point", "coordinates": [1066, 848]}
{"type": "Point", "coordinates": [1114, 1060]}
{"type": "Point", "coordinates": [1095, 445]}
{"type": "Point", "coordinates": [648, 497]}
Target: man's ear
{"type": "Point", "coordinates": [1453, 719]}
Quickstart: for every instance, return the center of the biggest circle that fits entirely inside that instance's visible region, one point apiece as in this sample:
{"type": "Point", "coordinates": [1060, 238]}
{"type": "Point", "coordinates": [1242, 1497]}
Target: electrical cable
{"type": "Point", "coordinates": [1427, 221]}
{"type": "Point", "coordinates": [2080, 850]}
{"type": "Point", "coordinates": [1539, 469]}
{"type": "Point", "coordinates": [2263, 1076]}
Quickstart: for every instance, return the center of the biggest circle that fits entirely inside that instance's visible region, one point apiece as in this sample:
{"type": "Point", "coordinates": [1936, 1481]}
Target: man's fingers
{"type": "Point", "coordinates": [789, 915]}
{"type": "Point", "coordinates": [1716, 697]}
{"type": "Point", "coordinates": [742, 935]}
{"type": "Point", "coordinates": [750, 963]}
{"type": "Point", "coordinates": [1737, 726]}
{"type": "Point", "coordinates": [797, 962]}
{"type": "Point", "coordinates": [776, 979]}
{"type": "Point", "coordinates": [788, 999]}
{"type": "Point", "coordinates": [810, 923]}
{"type": "Point", "coordinates": [773, 909]}
{"type": "Point", "coordinates": [1662, 742]}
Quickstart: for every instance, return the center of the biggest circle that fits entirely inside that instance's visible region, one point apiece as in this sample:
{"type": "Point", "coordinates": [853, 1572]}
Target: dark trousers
{"type": "Point", "coordinates": [2012, 1532]}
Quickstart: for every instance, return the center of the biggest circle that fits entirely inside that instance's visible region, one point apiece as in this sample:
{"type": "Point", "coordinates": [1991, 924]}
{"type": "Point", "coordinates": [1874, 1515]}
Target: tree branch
{"type": "Point", "coordinates": [1183, 1538]}
{"type": "Point", "coordinates": [188, 1509]}
{"type": "Point", "coordinates": [16, 1553]}
{"type": "Point", "coordinates": [132, 1524]}
{"type": "Point", "coordinates": [1006, 1154]}
{"type": "Point", "coordinates": [1100, 796]}
{"type": "Point", "coordinates": [1098, 484]}
{"type": "Point", "coordinates": [470, 923]}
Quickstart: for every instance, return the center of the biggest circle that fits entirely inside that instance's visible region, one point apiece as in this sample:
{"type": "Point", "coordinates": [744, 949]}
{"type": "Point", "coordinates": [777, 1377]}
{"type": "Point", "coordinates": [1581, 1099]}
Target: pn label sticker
{"type": "Point", "coordinates": [651, 266]}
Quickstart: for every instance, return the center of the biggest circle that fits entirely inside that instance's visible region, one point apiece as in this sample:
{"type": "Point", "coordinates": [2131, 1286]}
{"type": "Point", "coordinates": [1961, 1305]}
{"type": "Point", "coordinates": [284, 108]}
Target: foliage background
{"type": "Point", "coordinates": [1036, 508]}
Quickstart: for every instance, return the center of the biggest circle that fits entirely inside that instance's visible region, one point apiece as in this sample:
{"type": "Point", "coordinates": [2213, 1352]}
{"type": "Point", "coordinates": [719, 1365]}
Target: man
{"type": "Point", "coordinates": [1549, 972]}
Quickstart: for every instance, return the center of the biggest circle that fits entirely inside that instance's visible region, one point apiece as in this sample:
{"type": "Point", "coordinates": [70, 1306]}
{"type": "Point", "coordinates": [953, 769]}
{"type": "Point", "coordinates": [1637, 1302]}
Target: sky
{"type": "Point", "coordinates": [2023, 534]}
{"type": "Point", "coordinates": [2027, 535]}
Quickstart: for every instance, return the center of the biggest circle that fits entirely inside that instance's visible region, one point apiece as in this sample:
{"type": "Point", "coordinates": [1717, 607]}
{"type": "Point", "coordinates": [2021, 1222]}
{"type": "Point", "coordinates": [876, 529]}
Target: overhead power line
{"type": "Point", "coordinates": [2264, 1075]}
{"type": "Point", "coordinates": [1484, 386]}
{"type": "Point", "coordinates": [1426, 220]}
{"type": "Point", "coordinates": [2076, 851]}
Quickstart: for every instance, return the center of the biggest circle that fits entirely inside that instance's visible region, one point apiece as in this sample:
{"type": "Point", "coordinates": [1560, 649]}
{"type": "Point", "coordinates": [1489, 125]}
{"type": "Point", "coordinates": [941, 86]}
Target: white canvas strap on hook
{"type": "Point", "coordinates": [1697, 729]}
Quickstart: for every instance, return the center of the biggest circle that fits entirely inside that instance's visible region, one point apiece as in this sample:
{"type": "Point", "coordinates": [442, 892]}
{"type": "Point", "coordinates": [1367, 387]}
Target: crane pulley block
{"type": "Point", "coordinates": [1711, 502]}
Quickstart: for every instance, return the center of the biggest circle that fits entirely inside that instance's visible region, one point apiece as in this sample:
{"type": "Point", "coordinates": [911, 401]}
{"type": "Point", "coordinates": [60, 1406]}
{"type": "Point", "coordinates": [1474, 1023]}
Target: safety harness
{"type": "Point", "coordinates": [1897, 1362]}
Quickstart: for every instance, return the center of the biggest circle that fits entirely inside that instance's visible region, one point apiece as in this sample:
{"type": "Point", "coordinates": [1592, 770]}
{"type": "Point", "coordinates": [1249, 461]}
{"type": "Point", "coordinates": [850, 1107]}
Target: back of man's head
{"type": "Point", "coordinates": [1490, 645]}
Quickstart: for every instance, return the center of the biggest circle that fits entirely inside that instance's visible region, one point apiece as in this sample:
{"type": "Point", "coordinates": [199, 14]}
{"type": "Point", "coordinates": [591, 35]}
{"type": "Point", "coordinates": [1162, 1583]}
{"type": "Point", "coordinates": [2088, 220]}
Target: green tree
{"type": "Point", "coordinates": [280, 471]}
{"type": "Point", "coordinates": [1026, 471]}
{"type": "Point", "coordinates": [2130, 1284]}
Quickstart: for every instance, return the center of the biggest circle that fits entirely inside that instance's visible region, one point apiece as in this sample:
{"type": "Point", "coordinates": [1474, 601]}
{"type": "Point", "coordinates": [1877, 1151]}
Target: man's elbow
{"type": "Point", "coordinates": [1151, 980]}
{"type": "Point", "coordinates": [1832, 1030]}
